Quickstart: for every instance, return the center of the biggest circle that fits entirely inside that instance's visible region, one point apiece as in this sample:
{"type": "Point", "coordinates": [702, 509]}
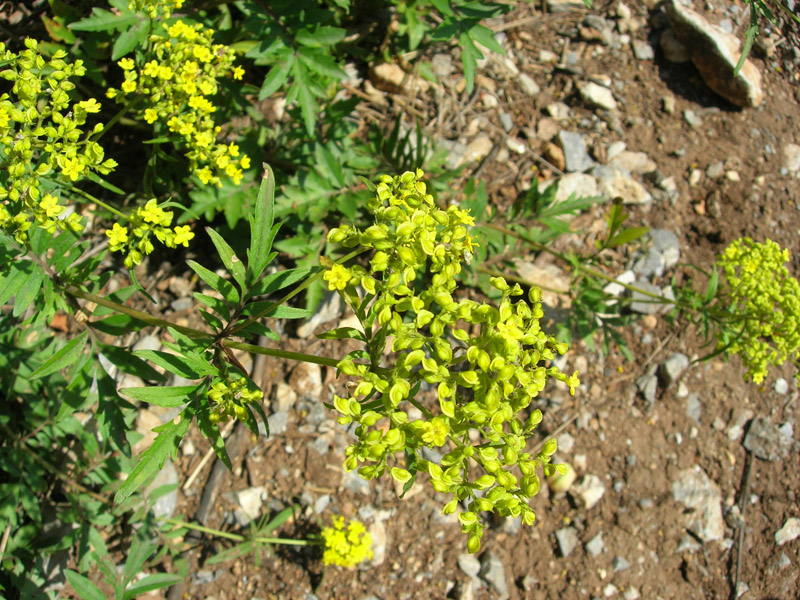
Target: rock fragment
{"type": "Point", "coordinates": [789, 532]}
{"type": "Point", "coordinates": [766, 440]}
{"type": "Point", "coordinates": [715, 53]}
{"type": "Point", "coordinates": [567, 538]}
{"type": "Point", "coordinates": [589, 490]}
{"type": "Point", "coordinates": [576, 158]}
{"type": "Point", "coordinates": [695, 490]}
{"type": "Point", "coordinates": [597, 96]}
{"type": "Point", "coordinates": [493, 572]}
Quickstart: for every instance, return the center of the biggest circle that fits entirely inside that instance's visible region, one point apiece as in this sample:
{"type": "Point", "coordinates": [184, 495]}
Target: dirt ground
{"type": "Point", "coordinates": [635, 448]}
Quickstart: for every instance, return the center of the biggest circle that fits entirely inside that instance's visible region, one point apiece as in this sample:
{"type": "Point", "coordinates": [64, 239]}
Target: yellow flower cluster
{"type": "Point", "coordinates": [231, 397]}
{"type": "Point", "coordinates": [764, 304]}
{"type": "Point", "coordinates": [346, 545]}
{"type": "Point", "coordinates": [41, 132]}
{"type": "Point", "coordinates": [135, 240]}
{"type": "Point", "coordinates": [156, 9]}
{"type": "Point", "coordinates": [488, 362]}
{"type": "Point", "coordinates": [179, 84]}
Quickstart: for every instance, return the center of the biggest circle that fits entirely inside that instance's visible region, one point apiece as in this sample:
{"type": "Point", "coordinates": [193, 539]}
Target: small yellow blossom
{"type": "Point", "coordinates": [346, 545]}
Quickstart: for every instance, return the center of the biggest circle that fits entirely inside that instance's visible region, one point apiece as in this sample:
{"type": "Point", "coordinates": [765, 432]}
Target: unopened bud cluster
{"type": "Point", "coordinates": [487, 362]}
{"type": "Point", "coordinates": [228, 399]}
{"type": "Point", "coordinates": [41, 135]}
{"type": "Point", "coordinates": [764, 303]}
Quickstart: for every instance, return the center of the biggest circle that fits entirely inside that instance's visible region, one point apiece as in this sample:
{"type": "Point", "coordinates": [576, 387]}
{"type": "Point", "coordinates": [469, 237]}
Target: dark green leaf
{"type": "Point", "coordinates": [118, 325]}
{"type": "Point", "coordinates": [321, 36]}
{"type": "Point", "coordinates": [278, 75]}
{"type": "Point", "coordinates": [166, 444]}
{"type": "Point", "coordinates": [280, 280]}
{"type": "Point", "coordinates": [262, 231]}
{"type": "Point", "coordinates": [214, 304]}
{"type": "Point", "coordinates": [229, 258]}
{"type": "Point", "coordinates": [12, 282]}
{"type": "Point", "coordinates": [627, 235]}
{"type": "Point", "coordinates": [155, 581]}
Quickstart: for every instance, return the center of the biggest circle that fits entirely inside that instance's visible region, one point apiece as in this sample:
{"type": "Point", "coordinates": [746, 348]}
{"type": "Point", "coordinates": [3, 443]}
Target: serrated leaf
{"type": "Point", "coordinates": [162, 396]}
{"type": "Point", "coordinates": [85, 588]}
{"type": "Point", "coordinates": [128, 40]}
{"type": "Point", "coordinates": [67, 355]}
{"type": "Point", "coordinates": [485, 36]}
{"type": "Point", "coordinates": [215, 282]}
{"type": "Point", "coordinates": [211, 432]}
{"type": "Point", "coordinates": [321, 63]}
{"type": "Point", "coordinates": [104, 20]}
{"type": "Point", "coordinates": [229, 258]}
{"type": "Point", "coordinates": [165, 445]}
{"type": "Point", "coordinates": [262, 229]}
{"type": "Point", "coordinates": [469, 59]}
{"type": "Point", "coordinates": [278, 75]}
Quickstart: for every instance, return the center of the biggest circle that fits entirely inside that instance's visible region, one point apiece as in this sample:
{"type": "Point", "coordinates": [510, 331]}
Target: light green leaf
{"type": "Point", "coordinates": [162, 396]}
{"type": "Point", "coordinates": [71, 352]}
{"type": "Point", "coordinates": [343, 333]}
{"type": "Point", "coordinates": [27, 294]}
{"type": "Point", "coordinates": [155, 581]}
{"type": "Point", "coordinates": [179, 365]}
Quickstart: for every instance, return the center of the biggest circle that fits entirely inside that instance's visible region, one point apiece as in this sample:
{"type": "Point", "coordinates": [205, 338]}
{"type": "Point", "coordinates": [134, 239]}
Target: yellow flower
{"type": "Point", "coordinates": [71, 167]}
{"type": "Point", "coordinates": [126, 63]}
{"type": "Point", "coordinates": [118, 237]}
{"type": "Point", "coordinates": [346, 545]}
{"type": "Point", "coordinates": [238, 72]}
{"type": "Point", "coordinates": [337, 277]}
{"type": "Point", "coordinates": [129, 86]}
{"type": "Point", "coordinates": [150, 115]}
{"type": "Point", "coordinates": [90, 106]}
{"type": "Point", "coordinates": [49, 204]}
{"type": "Point", "coordinates": [183, 235]}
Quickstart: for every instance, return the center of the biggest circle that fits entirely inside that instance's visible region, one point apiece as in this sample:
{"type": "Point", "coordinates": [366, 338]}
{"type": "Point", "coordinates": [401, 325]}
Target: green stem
{"type": "Point", "coordinates": [309, 358]}
{"type": "Point", "coordinates": [240, 538]}
{"type": "Point", "coordinates": [128, 106]}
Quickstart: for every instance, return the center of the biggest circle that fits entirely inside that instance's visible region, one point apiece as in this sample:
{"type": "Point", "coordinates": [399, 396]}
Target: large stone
{"type": "Point", "coordinates": [597, 96]}
{"type": "Point", "coordinates": [716, 53]}
{"type": "Point", "coordinates": [789, 532]}
{"type": "Point", "coordinates": [493, 572]}
{"type": "Point", "coordinates": [693, 488]}
{"type": "Point", "coordinates": [567, 538]}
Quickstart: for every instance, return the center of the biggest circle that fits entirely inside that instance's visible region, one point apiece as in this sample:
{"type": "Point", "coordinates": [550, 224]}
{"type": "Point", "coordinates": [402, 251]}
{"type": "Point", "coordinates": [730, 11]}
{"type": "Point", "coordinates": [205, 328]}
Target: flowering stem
{"type": "Point", "coordinates": [89, 197]}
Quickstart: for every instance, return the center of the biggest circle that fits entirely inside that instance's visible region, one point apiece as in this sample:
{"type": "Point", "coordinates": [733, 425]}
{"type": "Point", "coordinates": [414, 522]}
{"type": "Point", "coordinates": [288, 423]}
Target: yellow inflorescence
{"type": "Point", "coordinates": [346, 545]}
{"type": "Point", "coordinates": [487, 362]}
{"type": "Point", "coordinates": [230, 397]}
{"type": "Point", "coordinates": [765, 302]}
{"type": "Point", "coordinates": [156, 9]}
{"type": "Point", "coordinates": [135, 239]}
{"type": "Point", "coordinates": [41, 135]}
{"type": "Point", "coordinates": [179, 84]}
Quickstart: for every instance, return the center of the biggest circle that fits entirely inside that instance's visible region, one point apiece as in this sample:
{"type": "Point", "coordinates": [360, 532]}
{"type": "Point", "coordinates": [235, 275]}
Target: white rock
{"type": "Point", "coordinates": [528, 85]}
{"type": "Point", "coordinates": [251, 500]}
{"type": "Point", "coordinates": [622, 185]}
{"type": "Point", "coordinates": [633, 162]}
{"type": "Point", "coordinates": [589, 490]}
{"type": "Point", "coordinates": [379, 539]}
{"type": "Point", "coordinates": [791, 157]}
{"type": "Point", "coordinates": [597, 95]}
{"type": "Point", "coordinates": [789, 532]}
